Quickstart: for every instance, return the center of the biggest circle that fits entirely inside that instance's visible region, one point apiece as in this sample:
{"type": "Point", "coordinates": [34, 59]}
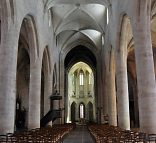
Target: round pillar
{"type": "Point", "coordinates": [112, 93]}
{"type": "Point", "coordinates": [34, 96]}
{"type": "Point", "coordinates": [8, 62]}
{"type": "Point", "coordinates": [122, 91]}
{"type": "Point", "coordinates": [145, 69]}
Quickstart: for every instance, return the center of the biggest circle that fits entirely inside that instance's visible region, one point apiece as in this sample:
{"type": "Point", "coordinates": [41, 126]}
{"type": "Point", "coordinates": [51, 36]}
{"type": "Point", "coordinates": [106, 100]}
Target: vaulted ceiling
{"type": "Point", "coordinates": [78, 19]}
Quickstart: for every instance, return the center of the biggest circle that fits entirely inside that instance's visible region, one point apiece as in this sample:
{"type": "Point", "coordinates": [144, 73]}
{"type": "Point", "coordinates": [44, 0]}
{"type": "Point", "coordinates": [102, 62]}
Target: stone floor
{"type": "Point", "coordinates": [79, 135]}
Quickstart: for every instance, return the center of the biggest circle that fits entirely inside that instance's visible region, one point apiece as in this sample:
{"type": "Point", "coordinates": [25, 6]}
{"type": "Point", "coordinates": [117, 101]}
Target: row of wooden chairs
{"type": "Point", "coordinates": [52, 134]}
{"type": "Point", "coordinates": [112, 134]}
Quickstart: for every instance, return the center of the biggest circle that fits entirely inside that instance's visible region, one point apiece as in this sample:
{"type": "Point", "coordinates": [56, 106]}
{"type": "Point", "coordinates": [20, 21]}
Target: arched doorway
{"type": "Point", "coordinates": [81, 90]}
{"type": "Point", "coordinates": [90, 112]}
{"type": "Point", "coordinates": [126, 78]}
{"type": "Point", "coordinates": [73, 112]}
{"type": "Point", "coordinates": [31, 94]}
{"type": "Point", "coordinates": [22, 80]}
{"type": "Point", "coordinates": [80, 80]}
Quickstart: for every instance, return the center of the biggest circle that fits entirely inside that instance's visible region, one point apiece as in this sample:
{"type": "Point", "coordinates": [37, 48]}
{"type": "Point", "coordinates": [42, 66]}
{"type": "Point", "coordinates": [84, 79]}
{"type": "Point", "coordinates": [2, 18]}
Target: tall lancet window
{"type": "Point", "coordinates": [81, 111]}
{"type": "Point", "coordinates": [81, 78]}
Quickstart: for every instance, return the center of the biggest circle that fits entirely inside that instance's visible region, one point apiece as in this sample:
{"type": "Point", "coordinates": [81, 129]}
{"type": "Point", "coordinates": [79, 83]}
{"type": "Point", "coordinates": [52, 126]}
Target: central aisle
{"type": "Point", "coordinates": [79, 135]}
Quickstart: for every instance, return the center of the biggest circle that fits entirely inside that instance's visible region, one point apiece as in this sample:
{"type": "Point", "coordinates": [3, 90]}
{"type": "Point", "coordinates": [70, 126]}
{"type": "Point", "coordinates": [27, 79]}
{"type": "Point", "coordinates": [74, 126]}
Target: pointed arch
{"type": "Point", "coordinates": [45, 74]}
{"type": "Point", "coordinates": [47, 59]}
{"type": "Point", "coordinates": [73, 112]}
{"type": "Point", "coordinates": [153, 9]}
{"type": "Point", "coordinates": [32, 36]}
{"type": "Point", "coordinates": [124, 25]}
{"type": "Point", "coordinates": [90, 111]}
{"type": "Point", "coordinates": [26, 58]}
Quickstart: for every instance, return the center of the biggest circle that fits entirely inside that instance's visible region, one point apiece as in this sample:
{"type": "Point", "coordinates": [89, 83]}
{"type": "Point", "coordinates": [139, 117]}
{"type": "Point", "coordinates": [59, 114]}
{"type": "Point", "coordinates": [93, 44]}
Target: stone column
{"type": "Point", "coordinates": [65, 98]}
{"type": "Point", "coordinates": [68, 112]}
{"type": "Point", "coordinates": [145, 69]}
{"type": "Point", "coordinates": [86, 113]}
{"type": "Point", "coordinates": [34, 95]}
{"type": "Point", "coordinates": [105, 94]}
{"type": "Point", "coordinates": [122, 89]}
{"type": "Point", "coordinates": [98, 92]}
{"type": "Point", "coordinates": [77, 111]}
{"type": "Point", "coordinates": [8, 66]}
{"type": "Point", "coordinates": [94, 110]}
{"type": "Point", "coordinates": [112, 110]}
{"type": "Point", "coordinates": [77, 86]}
{"type": "Point", "coordinates": [47, 93]}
